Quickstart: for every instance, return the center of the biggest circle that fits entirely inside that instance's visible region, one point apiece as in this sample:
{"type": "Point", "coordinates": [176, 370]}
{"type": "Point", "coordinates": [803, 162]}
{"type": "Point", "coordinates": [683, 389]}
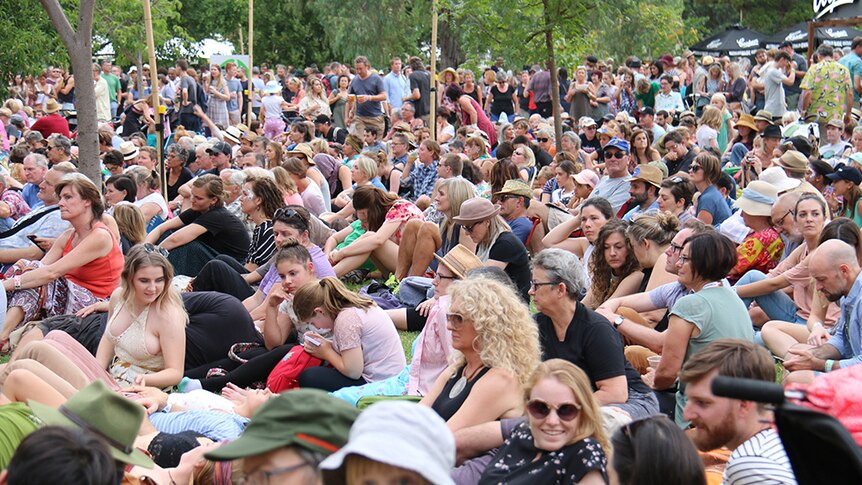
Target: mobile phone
{"type": "Point", "coordinates": [32, 238]}
{"type": "Point", "coordinates": [829, 191]}
{"type": "Point", "coordinates": [312, 341]}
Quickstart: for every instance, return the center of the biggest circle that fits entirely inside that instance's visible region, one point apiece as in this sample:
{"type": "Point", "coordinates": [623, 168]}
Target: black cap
{"type": "Point", "coordinates": [784, 44]}
{"type": "Point", "coordinates": [771, 131]}
{"type": "Point", "coordinates": [843, 172]}
{"type": "Point", "coordinates": [322, 120]}
{"type": "Point", "coordinates": [648, 110]}
{"type": "Point", "coordinates": [219, 147]}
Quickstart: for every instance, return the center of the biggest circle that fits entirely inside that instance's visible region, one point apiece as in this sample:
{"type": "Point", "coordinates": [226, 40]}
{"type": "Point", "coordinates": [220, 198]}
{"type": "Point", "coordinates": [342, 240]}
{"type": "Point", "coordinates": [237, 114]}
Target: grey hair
{"type": "Point", "coordinates": [233, 176]}
{"type": "Point", "coordinates": [562, 267]}
{"type": "Point", "coordinates": [576, 140]}
{"type": "Point", "coordinates": [61, 141]}
{"type": "Point", "coordinates": [179, 151]}
{"type": "Point", "coordinates": [187, 142]}
{"type": "Point", "coordinates": [546, 132]}
{"type": "Point", "coordinates": [38, 158]}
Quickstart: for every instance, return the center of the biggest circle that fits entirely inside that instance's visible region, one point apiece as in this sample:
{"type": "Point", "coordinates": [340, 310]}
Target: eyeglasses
{"type": "Point", "coordinates": [542, 140]}
{"type": "Point", "coordinates": [263, 476]}
{"type": "Point", "coordinates": [779, 222]}
{"type": "Point", "coordinates": [536, 284]}
{"type": "Point", "coordinates": [455, 319]}
{"type": "Point", "coordinates": [614, 155]}
{"type": "Point", "coordinates": [684, 259]}
{"type": "Point", "coordinates": [695, 168]}
{"type": "Point", "coordinates": [675, 248]}
{"type": "Point", "coordinates": [541, 410]}
{"type": "Point", "coordinates": [504, 198]}
{"type": "Point", "coordinates": [152, 248]}
{"type": "Point", "coordinates": [469, 229]}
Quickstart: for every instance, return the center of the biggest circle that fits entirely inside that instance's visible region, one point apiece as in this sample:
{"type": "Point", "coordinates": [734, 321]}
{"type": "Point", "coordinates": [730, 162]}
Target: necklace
{"type": "Point", "coordinates": [461, 383]}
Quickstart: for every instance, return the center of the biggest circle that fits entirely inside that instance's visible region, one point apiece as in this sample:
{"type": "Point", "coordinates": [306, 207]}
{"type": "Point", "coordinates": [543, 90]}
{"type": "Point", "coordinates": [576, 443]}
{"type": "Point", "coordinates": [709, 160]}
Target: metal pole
{"type": "Point", "coordinates": [432, 117]}
{"type": "Point", "coordinates": [154, 86]}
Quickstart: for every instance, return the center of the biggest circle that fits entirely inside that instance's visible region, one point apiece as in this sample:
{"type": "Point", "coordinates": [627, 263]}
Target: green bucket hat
{"type": "Point", "coordinates": [104, 413]}
{"type": "Point", "coordinates": [307, 418]}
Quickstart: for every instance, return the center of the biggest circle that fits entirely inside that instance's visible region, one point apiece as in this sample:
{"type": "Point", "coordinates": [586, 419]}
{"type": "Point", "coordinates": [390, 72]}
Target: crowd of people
{"type": "Point", "coordinates": [341, 289]}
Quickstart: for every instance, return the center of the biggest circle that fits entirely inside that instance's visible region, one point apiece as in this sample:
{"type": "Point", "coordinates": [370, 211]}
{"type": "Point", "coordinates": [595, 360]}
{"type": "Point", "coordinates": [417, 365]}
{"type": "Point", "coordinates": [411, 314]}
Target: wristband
{"type": "Point", "coordinates": [17, 280]}
{"type": "Point", "coordinates": [829, 364]}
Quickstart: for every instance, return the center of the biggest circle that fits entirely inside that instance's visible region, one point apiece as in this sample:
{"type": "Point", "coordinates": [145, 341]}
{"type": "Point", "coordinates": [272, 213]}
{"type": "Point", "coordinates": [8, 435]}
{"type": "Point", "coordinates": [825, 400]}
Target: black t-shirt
{"type": "Point", "coordinates": [216, 321]}
{"type": "Point", "coordinates": [590, 146]}
{"type": "Point", "coordinates": [681, 165]}
{"type": "Point", "coordinates": [501, 102]}
{"type": "Point", "coordinates": [422, 81]}
{"type": "Point", "coordinates": [133, 122]}
{"type": "Point", "coordinates": [592, 344]}
{"type": "Point", "coordinates": [509, 249]}
{"type": "Point", "coordinates": [225, 233]}
{"type": "Point", "coordinates": [336, 134]}
{"type": "Point", "coordinates": [543, 158]}
{"type": "Point", "coordinates": [173, 190]}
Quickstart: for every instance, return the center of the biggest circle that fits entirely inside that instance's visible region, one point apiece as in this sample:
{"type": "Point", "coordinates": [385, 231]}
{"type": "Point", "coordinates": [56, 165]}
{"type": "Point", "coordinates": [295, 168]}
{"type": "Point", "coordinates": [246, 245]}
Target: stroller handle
{"type": "Point", "coordinates": [748, 390]}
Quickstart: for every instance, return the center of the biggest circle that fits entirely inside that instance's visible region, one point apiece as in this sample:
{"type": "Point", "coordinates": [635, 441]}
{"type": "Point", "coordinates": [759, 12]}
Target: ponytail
{"type": "Point", "coordinates": [330, 294]}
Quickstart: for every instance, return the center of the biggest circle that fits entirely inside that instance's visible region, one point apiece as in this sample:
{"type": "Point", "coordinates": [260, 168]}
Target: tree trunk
{"type": "Point", "coordinates": [140, 83]}
{"type": "Point", "coordinates": [80, 47]}
{"type": "Point", "coordinates": [451, 52]}
{"type": "Point", "coordinates": [555, 79]}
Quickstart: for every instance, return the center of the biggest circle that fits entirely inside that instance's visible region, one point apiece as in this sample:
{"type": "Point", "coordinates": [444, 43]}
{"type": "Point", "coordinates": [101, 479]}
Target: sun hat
{"type": "Point", "coordinates": [646, 173]}
{"type": "Point", "coordinates": [586, 121]}
{"type": "Point", "coordinates": [587, 177]}
{"type": "Point", "coordinates": [757, 198]}
{"type": "Point", "coordinates": [307, 418]}
{"type": "Point", "coordinates": [618, 143]}
{"type": "Point", "coordinates": [746, 120]}
{"type": "Point", "coordinates": [835, 124]}
{"type": "Point", "coordinates": [52, 106]}
{"type": "Point", "coordinates": [129, 150]}
{"type": "Point", "coordinates": [516, 187]}
{"type": "Point", "coordinates": [106, 414]}
{"type": "Point", "coordinates": [303, 149]}
{"type": "Point", "coordinates": [199, 140]}
{"type": "Point", "coordinates": [476, 210]}
{"type": "Point", "coordinates": [272, 87]}
{"type": "Point", "coordinates": [771, 131]}
{"type": "Point", "coordinates": [399, 434]}
{"type": "Point", "coordinates": [219, 147]}
{"type": "Point", "coordinates": [776, 177]}
{"type": "Point", "coordinates": [764, 115]}
{"type": "Point", "coordinates": [442, 76]}
{"type": "Point", "coordinates": [734, 228]}
{"type": "Point", "coordinates": [794, 161]}
{"type": "Point", "coordinates": [849, 173]}
{"type": "Point", "coordinates": [460, 260]}
{"type": "Point", "coordinates": [661, 166]}
{"type": "Point", "coordinates": [707, 60]}
{"type": "Point", "coordinates": [233, 134]}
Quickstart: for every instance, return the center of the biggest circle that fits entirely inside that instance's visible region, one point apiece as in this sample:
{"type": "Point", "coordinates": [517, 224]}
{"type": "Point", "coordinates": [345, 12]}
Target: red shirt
{"type": "Point", "coordinates": [50, 124]}
{"type": "Point", "coordinates": [102, 275]}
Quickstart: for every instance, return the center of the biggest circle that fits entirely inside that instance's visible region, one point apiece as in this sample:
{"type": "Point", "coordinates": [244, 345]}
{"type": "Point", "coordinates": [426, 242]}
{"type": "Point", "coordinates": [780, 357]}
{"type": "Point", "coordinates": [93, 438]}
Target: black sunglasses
{"type": "Point", "coordinates": [695, 168]}
{"type": "Point", "coordinates": [152, 248]}
{"type": "Point", "coordinates": [542, 140]}
{"type": "Point", "coordinates": [614, 155]}
{"type": "Point", "coordinates": [541, 410]}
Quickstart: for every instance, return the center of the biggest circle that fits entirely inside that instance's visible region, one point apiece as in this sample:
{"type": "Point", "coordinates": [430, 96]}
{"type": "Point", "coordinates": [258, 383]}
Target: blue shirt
{"type": "Point", "coordinates": [853, 63]}
{"type": "Point", "coordinates": [521, 227]}
{"type": "Point", "coordinates": [848, 333]}
{"type": "Point", "coordinates": [712, 201]}
{"type": "Point", "coordinates": [214, 425]}
{"type": "Point", "coordinates": [637, 210]}
{"type": "Point", "coordinates": [30, 193]}
{"type": "Point", "coordinates": [396, 88]}
{"type": "Point", "coordinates": [423, 178]}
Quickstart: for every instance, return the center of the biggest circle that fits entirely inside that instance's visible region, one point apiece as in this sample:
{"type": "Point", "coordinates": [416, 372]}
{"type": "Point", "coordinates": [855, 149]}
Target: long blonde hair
{"type": "Point", "coordinates": [330, 294]}
{"type": "Point", "coordinates": [507, 336]}
{"type": "Point", "coordinates": [143, 256]}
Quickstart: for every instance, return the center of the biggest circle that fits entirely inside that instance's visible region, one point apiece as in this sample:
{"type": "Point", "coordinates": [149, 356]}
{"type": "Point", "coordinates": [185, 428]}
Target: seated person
{"type": "Point", "coordinates": [614, 266]}
{"type": "Point", "coordinates": [496, 348]}
{"type": "Point", "coordinates": [203, 232]}
{"type": "Point", "coordinates": [593, 215]}
{"type": "Point", "coordinates": [363, 173]}
{"type": "Point", "coordinates": [762, 248]}
{"type": "Point", "coordinates": [308, 189]}
{"type": "Point", "coordinates": [149, 196]}
{"type": "Point", "coordinates": [383, 216]}
{"type": "Point", "coordinates": [650, 234]}
{"type": "Point", "coordinates": [12, 206]}
{"type": "Point", "coordinates": [82, 267]}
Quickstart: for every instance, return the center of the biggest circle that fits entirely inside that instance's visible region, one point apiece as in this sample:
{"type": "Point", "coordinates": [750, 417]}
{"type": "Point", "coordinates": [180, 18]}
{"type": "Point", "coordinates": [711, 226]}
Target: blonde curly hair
{"type": "Point", "coordinates": [507, 334]}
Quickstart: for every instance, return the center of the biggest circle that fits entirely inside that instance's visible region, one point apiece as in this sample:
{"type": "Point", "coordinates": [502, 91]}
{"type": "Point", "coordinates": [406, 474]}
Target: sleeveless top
{"type": "Point", "coordinates": [102, 275]}
{"type": "Point", "coordinates": [130, 347]}
{"type": "Point", "coordinates": [501, 102]}
{"type": "Point", "coordinates": [446, 406]}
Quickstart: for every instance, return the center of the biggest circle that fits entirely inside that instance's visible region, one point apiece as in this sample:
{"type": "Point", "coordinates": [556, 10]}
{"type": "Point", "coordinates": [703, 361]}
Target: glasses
{"type": "Point", "coordinates": [541, 410]}
{"type": "Point", "coordinates": [675, 248]}
{"type": "Point", "coordinates": [684, 259]}
{"type": "Point", "coordinates": [454, 319]}
{"type": "Point", "coordinates": [152, 248]}
{"type": "Point", "coordinates": [263, 476]}
{"type": "Point", "coordinates": [617, 155]}
{"type": "Point", "coordinates": [504, 198]}
{"type": "Point", "coordinates": [677, 180]}
{"type": "Point", "coordinates": [695, 168]}
{"type": "Point", "coordinates": [542, 140]}
{"type": "Point", "coordinates": [779, 222]}
{"type": "Point", "coordinates": [536, 284]}
{"type": "Point", "coordinates": [469, 229]}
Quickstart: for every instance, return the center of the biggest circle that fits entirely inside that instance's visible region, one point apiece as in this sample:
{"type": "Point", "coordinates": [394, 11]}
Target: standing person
{"type": "Point", "coordinates": [270, 110]}
{"type": "Point", "coordinates": [776, 80]}
{"type": "Point", "coordinates": [113, 82]}
{"type": "Point", "coordinates": [219, 94]}
{"type": "Point", "coordinates": [471, 112]}
{"type": "Point", "coordinates": [397, 87]}
{"type": "Point", "coordinates": [234, 85]}
{"type": "Point", "coordinates": [338, 102]}
{"type": "Point", "coordinates": [367, 95]}
{"type": "Point", "coordinates": [420, 90]}
{"type": "Point", "coordinates": [744, 427]}
{"type": "Point", "coordinates": [188, 98]}
{"type": "Point", "coordinates": [792, 92]}
{"type": "Point", "coordinates": [501, 99]}
{"type": "Point", "coordinates": [540, 87]}
{"type": "Point", "coordinates": [827, 90]}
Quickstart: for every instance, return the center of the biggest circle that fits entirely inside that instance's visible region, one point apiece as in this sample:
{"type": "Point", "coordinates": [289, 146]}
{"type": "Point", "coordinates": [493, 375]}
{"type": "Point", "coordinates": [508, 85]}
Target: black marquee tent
{"type": "Point", "coordinates": [735, 41]}
{"type": "Point", "coordinates": [798, 36]}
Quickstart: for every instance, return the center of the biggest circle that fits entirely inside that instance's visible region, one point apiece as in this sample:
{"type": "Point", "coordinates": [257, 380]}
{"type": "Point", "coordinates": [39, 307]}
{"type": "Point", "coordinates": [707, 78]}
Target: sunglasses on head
{"type": "Point", "coordinates": [152, 248]}
{"type": "Point", "coordinates": [614, 154]}
{"type": "Point", "coordinates": [541, 410]}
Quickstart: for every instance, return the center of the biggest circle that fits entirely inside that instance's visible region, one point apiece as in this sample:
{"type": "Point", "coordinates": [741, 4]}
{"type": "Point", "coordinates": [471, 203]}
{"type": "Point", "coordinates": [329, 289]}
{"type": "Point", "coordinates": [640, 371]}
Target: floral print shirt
{"type": "Point", "coordinates": [828, 82]}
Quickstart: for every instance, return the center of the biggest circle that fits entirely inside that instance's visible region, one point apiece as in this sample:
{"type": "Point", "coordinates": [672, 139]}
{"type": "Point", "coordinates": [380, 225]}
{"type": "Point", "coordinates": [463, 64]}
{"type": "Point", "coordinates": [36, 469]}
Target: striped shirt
{"type": "Point", "coordinates": [760, 460]}
{"type": "Point", "coordinates": [262, 244]}
{"type": "Point", "coordinates": [214, 425]}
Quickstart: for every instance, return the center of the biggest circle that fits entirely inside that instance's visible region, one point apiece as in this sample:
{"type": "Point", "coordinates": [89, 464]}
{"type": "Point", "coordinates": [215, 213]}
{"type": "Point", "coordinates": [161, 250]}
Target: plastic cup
{"type": "Point", "coordinates": [653, 361]}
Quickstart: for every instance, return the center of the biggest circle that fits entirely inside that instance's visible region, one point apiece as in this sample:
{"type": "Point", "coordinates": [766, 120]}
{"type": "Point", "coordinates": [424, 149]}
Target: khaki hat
{"type": "Point", "coordinates": [794, 161]}
{"type": "Point", "coordinates": [746, 120]}
{"type": "Point", "coordinates": [516, 187]}
{"type": "Point", "coordinates": [764, 115]}
{"type": "Point", "coordinates": [707, 60]}
{"type": "Point", "coordinates": [757, 198]}
{"type": "Point", "coordinates": [106, 414]}
{"type": "Point", "coordinates": [129, 150]}
{"type": "Point", "coordinates": [835, 123]}
{"type": "Point", "coordinates": [51, 106]}
{"type": "Point", "coordinates": [441, 78]}
{"type": "Point", "coordinates": [303, 149]}
{"type": "Point", "coordinates": [460, 260]}
{"type": "Point", "coordinates": [476, 210]}
{"type": "Point", "coordinates": [233, 134]}
{"type": "Point", "coordinates": [306, 418]}
{"type": "Point", "coordinates": [647, 173]}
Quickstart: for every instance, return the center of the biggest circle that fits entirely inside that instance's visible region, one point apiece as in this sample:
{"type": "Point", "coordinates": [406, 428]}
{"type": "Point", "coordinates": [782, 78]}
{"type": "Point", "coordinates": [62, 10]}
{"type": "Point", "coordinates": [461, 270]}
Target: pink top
{"type": "Point", "coordinates": [373, 331]}
{"type": "Point", "coordinates": [431, 352]}
{"type": "Point", "coordinates": [795, 269]}
{"type": "Point", "coordinates": [402, 211]}
{"type": "Point", "coordinates": [293, 199]}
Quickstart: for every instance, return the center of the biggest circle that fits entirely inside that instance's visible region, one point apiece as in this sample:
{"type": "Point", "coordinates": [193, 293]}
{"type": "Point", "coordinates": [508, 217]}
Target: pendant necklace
{"type": "Point", "coordinates": [461, 383]}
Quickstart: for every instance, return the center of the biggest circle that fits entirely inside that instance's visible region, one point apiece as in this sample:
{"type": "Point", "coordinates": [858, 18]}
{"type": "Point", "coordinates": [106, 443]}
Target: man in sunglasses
{"type": "Point", "coordinates": [614, 186]}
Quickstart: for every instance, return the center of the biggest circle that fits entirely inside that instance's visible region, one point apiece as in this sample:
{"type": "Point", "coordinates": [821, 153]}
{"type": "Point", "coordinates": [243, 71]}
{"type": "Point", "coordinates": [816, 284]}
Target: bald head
{"type": "Point", "coordinates": [834, 267]}
{"type": "Point", "coordinates": [782, 218]}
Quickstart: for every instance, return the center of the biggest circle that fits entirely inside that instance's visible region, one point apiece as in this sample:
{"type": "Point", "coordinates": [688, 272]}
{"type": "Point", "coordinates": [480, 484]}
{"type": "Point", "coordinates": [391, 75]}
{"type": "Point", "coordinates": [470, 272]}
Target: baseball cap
{"type": "Point", "coordinates": [587, 177]}
{"type": "Point", "coordinates": [220, 147]}
{"type": "Point", "coordinates": [619, 143]}
{"type": "Point", "coordinates": [844, 172]}
{"type": "Point", "coordinates": [307, 418]}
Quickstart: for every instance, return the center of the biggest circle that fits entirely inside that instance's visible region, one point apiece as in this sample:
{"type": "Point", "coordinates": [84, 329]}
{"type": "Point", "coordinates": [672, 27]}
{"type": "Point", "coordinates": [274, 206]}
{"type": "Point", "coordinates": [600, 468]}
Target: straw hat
{"type": "Point", "coordinates": [233, 134]}
{"type": "Point", "coordinates": [303, 149]}
{"type": "Point", "coordinates": [51, 106]}
{"type": "Point", "coordinates": [746, 120]}
{"type": "Point", "coordinates": [476, 210]}
{"type": "Point", "coordinates": [460, 260]}
{"type": "Point", "coordinates": [516, 187]}
{"type": "Point", "coordinates": [757, 198]}
{"type": "Point", "coordinates": [441, 78]}
{"type": "Point", "coordinates": [129, 150]}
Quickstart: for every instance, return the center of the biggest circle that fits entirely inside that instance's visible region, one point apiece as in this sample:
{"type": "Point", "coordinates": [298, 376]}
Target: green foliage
{"type": "Point", "coordinates": [765, 16]}
{"type": "Point", "coordinates": [121, 22]}
{"type": "Point", "coordinates": [28, 39]}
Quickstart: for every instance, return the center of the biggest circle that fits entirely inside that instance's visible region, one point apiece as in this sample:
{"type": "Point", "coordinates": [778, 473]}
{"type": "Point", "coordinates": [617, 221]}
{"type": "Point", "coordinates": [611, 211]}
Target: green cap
{"type": "Point", "coordinates": [104, 413]}
{"type": "Point", "coordinates": [307, 418]}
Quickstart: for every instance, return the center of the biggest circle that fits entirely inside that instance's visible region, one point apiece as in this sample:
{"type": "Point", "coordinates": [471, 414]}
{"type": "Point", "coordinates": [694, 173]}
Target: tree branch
{"type": "Point", "coordinates": [58, 18]}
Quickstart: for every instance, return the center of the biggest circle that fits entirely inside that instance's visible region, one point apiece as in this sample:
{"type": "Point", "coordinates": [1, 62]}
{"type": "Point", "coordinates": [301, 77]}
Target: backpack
{"type": "Point", "coordinates": [285, 374]}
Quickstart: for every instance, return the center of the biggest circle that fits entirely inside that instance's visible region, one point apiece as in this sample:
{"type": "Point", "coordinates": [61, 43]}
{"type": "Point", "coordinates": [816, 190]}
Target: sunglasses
{"type": "Point", "coordinates": [695, 168]}
{"type": "Point", "coordinates": [541, 410]}
{"type": "Point", "coordinates": [469, 229]}
{"type": "Point", "coordinates": [151, 248]}
{"type": "Point", "coordinates": [542, 140]}
{"type": "Point", "coordinates": [617, 155]}
{"type": "Point", "coordinates": [454, 319]}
